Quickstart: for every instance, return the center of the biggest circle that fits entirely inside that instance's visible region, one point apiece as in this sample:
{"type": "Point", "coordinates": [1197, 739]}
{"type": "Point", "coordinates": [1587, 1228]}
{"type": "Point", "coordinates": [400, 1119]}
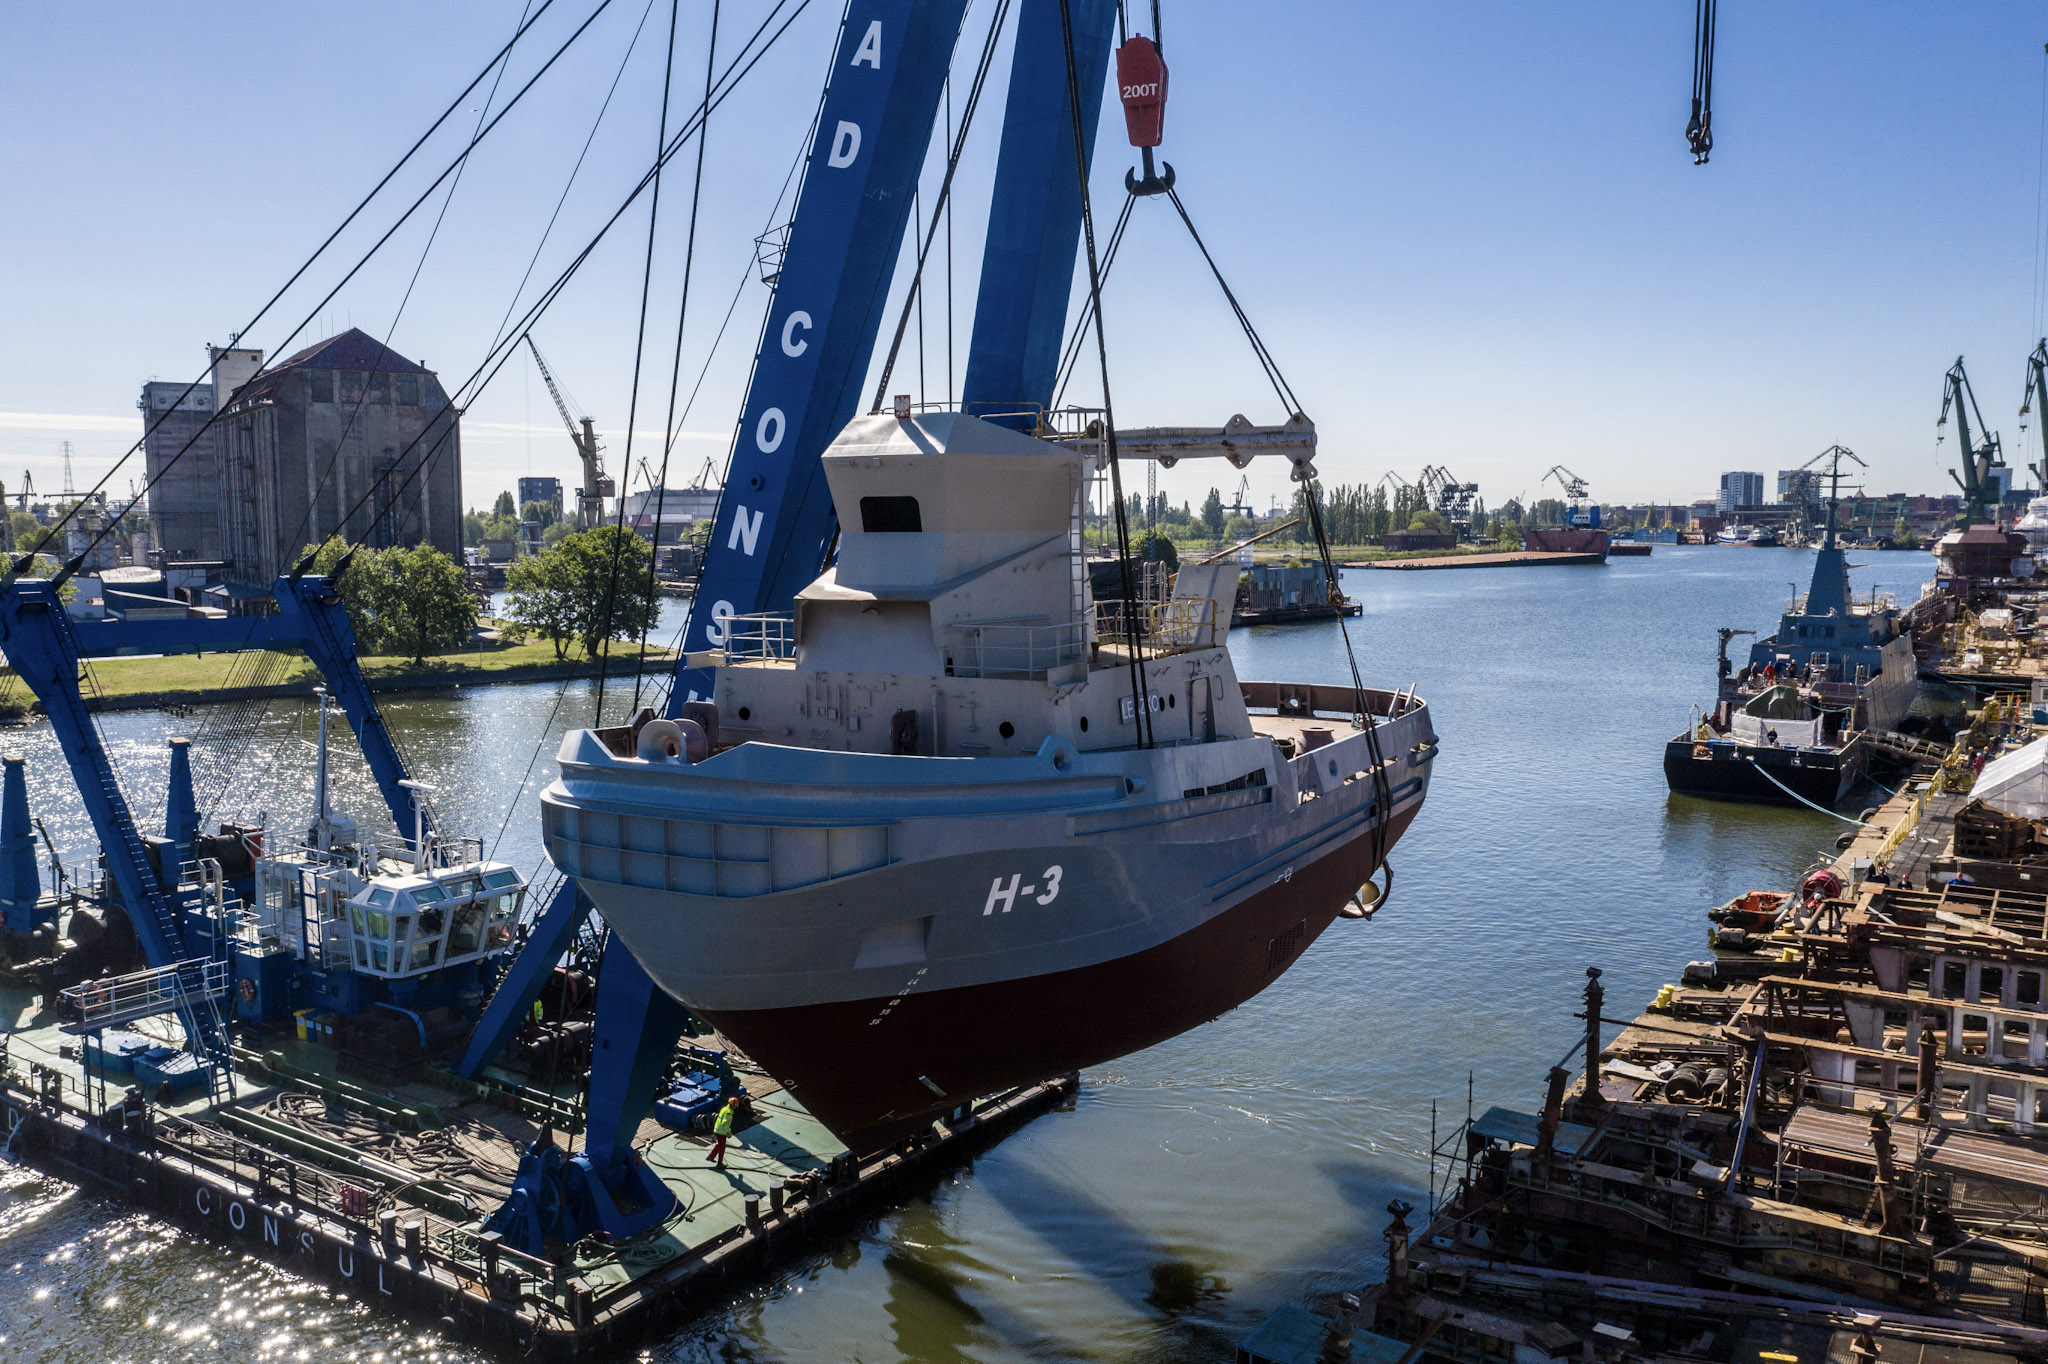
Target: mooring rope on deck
{"type": "Point", "coordinates": [1802, 799]}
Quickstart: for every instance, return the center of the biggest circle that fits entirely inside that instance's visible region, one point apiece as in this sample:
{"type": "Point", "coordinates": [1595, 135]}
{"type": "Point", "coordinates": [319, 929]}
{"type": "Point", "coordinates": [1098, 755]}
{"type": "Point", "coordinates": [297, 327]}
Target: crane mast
{"type": "Point", "coordinates": [596, 486]}
{"type": "Point", "coordinates": [1981, 495]}
{"type": "Point", "coordinates": [2037, 383]}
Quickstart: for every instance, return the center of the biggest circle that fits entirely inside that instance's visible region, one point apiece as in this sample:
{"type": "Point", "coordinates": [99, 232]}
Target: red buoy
{"type": "Point", "coordinates": [1141, 81]}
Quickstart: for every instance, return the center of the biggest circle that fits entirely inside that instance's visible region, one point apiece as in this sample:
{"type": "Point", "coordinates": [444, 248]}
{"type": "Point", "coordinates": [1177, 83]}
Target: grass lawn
{"type": "Point", "coordinates": [194, 675]}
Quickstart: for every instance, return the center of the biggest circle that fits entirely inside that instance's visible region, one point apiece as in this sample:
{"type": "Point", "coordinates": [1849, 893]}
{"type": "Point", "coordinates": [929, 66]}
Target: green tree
{"type": "Point", "coordinates": [1507, 534]}
{"type": "Point", "coordinates": [504, 509]}
{"type": "Point", "coordinates": [413, 602]}
{"type": "Point", "coordinates": [545, 597]}
{"type": "Point", "coordinates": [543, 512]}
{"type": "Point", "coordinates": [1156, 544]}
{"type": "Point", "coordinates": [1212, 514]}
{"type": "Point", "coordinates": [1429, 519]}
{"type": "Point", "coordinates": [424, 604]}
{"type": "Point", "coordinates": [28, 532]}
{"type": "Point", "coordinates": [590, 586]}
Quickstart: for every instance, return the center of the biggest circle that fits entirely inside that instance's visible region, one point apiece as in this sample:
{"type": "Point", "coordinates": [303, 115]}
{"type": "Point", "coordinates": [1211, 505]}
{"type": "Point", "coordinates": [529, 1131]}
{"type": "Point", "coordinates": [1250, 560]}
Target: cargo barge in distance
{"type": "Point", "coordinates": [941, 830]}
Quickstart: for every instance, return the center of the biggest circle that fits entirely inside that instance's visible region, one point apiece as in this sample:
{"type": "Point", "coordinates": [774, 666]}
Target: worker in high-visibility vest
{"type": "Point", "coordinates": [721, 1129]}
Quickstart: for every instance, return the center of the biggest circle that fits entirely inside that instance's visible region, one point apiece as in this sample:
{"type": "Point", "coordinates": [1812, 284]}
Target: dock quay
{"type": "Point", "coordinates": [1520, 558]}
{"type": "Point", "coordinates": [1828, 1140]}
{"type": "Point", "coordinates": [374, 1183]}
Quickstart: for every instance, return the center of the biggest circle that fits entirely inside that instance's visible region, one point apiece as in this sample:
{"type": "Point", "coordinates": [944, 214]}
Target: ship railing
{"type": "Point", "coordinates": [1004, 649]}
{"type": "Point", "coordinates": [97, 1004]}
{"type": "Point", "coordinates": [767, 637]}
{"type": "Point", "coordinates": [1165, 627]}
{"type": "Point", "coordinates": [1326, 700]}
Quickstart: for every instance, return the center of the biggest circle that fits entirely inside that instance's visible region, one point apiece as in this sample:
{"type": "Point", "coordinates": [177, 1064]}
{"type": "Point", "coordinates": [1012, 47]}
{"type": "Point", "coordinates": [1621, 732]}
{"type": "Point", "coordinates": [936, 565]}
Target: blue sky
{"type": "Point", "coordinates": [1470, 233]}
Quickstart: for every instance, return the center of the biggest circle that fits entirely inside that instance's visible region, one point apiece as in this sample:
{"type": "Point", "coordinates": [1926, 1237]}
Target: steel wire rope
{"type": "Point", "coordinates": [1070, 353]}
{"type": "Point", "coordinates": [495, 360]}
{"type": "Point", "coordinates": [1135, 658]}
{"type": "Point", "coordinates": [18, 567]}
{"type": "Point", "coordinates": [50, 535]}
{"type": "Point", "coordinates": [668, 423]}
{"type": "Point", "coordinates": [1699, 132]}
{"type": "Point", "coordinates": [2040, 299]}
{"type": "Point", "coordinates": [611, 592]}
{"type": "Point", "coordinates": [1311, 495]}
{"type": "Point", "coordinates": [988, 52]}
{"type": "Point", "coordinates": [262, 704]}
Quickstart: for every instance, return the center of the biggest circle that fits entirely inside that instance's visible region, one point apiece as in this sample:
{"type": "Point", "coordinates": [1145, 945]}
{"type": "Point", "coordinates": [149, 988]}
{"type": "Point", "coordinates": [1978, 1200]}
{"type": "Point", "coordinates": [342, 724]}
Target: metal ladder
{"type": "Point", "coordinates": [206, 1031]}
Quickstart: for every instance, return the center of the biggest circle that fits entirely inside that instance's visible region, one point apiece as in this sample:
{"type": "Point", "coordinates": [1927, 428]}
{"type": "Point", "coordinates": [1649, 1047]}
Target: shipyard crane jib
{"type": "Point", "coordinates": [1237, 440]}
{"type": "Point", "coordinates": [2037, 387]}
{"type": "Point", "coordinates": [1981, 495]}
{"type": "Point", "coordinates": [596, 485]}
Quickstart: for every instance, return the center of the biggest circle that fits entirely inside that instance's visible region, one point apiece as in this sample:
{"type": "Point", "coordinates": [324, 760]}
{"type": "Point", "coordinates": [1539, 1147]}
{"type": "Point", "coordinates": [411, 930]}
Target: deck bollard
{"type": "Point", "coordinates": [775, 1194]}
{"type": "Point", "coordinates": [581, 1301]}
{"type": "Point", "coordinates": [753, 1202]}
{"type": "Point", "coordinates": [387, 1227]}
{"type": "Point", "coordinates": [415, 1235]}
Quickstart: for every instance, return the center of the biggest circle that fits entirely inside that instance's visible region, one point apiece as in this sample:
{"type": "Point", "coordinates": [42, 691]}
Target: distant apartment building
{"type": "Point", "coordinates": [548, 490]}
{"type": "Point", "coordinates": [346, 436]}
{"type": "Point", "coordinates": [1740, 490]}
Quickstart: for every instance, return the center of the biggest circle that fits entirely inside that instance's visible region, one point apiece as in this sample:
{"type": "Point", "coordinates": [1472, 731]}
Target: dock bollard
{"type": "Point", "coordinates": [775, 1197]}
{"type": "Point", "coordinates": [581, 1301]}
{"type": "Point", "coordinates": [753, 1201]}
{"type": "Point", "coordinates": [387, 1227]}
{"type": "Point", "coordinates": [415, 1236]}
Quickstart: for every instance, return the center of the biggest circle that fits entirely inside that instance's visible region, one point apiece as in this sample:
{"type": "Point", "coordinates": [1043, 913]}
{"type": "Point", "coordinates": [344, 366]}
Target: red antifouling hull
{"type": "Point", "coordinates": [876, 1070]}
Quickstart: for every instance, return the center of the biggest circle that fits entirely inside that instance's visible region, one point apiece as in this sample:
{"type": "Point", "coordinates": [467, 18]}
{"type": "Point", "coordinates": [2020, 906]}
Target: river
{"type": "Point", "coordinates": [1192, 1187]}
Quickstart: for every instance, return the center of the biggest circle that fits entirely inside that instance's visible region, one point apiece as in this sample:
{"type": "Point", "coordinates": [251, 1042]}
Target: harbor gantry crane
{"type": "Point", "coordinates": [1451, 499]}
{"type": "Point", "coordinates": [2037, 384]}
{"type": "Point", "coordinates": [1981, 494]}
{"type": "Point", "coordinates": [596, 485]}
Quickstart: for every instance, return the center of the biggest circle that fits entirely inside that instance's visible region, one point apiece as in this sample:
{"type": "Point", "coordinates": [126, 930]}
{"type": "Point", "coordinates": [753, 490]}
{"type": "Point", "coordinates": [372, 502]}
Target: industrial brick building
{"type": "Point", "coordinates": [347, 429]}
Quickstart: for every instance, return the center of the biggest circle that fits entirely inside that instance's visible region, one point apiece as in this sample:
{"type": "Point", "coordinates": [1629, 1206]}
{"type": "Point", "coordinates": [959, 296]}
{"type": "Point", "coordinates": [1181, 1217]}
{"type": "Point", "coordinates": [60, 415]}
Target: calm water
{"type": "Point", "coordinates": [1197, 1185]}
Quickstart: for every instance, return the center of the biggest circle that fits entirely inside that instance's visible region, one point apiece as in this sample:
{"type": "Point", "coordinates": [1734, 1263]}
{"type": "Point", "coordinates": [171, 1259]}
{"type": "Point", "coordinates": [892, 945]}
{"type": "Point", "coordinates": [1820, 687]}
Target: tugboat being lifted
{"type": "Point", "coordinates": [1792, 726]}
{"type": "Point", "coordinates": [952, 827]}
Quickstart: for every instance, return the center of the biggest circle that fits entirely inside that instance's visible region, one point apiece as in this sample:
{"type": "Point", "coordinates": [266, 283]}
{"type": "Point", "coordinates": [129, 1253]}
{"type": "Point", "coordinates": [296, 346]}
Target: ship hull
{"type": "Point", "coordinates": [874, 1070]}
{"type": "Point", "coordinates": [1565, 540]}
{"type": "Point", "coordinates": [1738, 773]}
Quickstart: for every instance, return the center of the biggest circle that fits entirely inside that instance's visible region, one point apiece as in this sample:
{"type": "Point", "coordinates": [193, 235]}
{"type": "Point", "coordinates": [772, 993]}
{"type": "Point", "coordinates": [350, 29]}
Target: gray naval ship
{"type": "Point", "coordinates": [935, 838]}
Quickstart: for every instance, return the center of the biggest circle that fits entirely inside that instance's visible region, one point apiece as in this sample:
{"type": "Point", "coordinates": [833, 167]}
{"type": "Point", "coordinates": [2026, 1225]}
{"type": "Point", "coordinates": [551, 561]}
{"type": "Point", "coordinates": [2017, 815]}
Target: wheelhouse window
{"type": "Point", "coordinates": [890, 516]}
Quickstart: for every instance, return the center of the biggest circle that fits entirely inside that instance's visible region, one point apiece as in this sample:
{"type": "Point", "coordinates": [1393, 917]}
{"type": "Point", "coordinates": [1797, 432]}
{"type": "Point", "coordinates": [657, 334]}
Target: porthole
{"type": "Point", "coordinates": [1007, 730]}
{"type": "Point", "coordinates": [1084, 724]}
{"type": "Point", "coordinates": [1169, 700]}
{"type": "Point", "coordinates": [746, 714]}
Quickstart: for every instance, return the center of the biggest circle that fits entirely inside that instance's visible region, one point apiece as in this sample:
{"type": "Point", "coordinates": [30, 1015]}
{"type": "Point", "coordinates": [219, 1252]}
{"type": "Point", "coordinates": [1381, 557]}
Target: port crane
{"type": "Point", "coordinates": [28, 490]}
{"type": "Point", "coordinates": [596, 485]}
{"type": "Point", "coordinates": [1451, 499]}
{"type": "Point", "coordinates": [1237, 506]}
{"type": "Point", "coordinates": [1981, 494]}
{"type": "Point", "coordinates": [2037, 386]}
{"type": "Point", "coordinates": [1575, 496]}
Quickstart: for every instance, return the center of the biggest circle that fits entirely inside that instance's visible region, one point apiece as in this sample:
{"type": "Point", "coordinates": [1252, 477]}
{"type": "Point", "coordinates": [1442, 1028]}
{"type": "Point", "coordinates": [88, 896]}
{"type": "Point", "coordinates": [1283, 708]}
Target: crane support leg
{"type": "Point", "coordinates": [774, 520]}
{"type": "Point", "coordinates": [553, 930]}
{"type": "Point", "coordinates": [1027, 263]}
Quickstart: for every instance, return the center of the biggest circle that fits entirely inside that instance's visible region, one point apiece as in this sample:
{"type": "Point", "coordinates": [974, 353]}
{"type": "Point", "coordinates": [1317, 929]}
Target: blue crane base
{"type": "Point", "coordinates": [563, 1198]}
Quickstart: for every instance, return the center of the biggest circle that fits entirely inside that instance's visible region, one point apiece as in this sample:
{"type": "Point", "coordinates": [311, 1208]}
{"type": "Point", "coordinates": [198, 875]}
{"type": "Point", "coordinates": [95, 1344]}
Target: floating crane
{"type": "Point", "coordinates": [2037, 383]}
{"type": "Point", "coordinates": [1237, 506]}
{"type": "Point", "coordinates": [1981, 495]}
{"type": "Point", "coordinates": [596, 485]}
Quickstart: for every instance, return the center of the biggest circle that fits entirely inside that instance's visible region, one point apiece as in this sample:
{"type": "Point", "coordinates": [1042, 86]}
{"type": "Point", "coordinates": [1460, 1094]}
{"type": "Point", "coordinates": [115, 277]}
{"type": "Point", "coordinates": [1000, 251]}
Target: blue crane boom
{"type": "Point", "coordinates": [775, 523]}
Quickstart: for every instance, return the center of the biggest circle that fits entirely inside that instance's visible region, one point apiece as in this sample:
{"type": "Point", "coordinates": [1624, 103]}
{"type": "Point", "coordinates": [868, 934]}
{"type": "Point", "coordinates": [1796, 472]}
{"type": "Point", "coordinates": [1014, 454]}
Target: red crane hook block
{"type": "Point", "coordinates": [1141, 81]}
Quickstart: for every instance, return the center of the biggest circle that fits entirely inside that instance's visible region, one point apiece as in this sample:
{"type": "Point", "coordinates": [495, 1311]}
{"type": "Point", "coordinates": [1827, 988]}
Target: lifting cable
{"type": "Point", "coordinates": [1141, 713]}
{"type": "Point", "coordinates": [611, 590]}
{"type": "Point", "coordinates": [1699, 132]}
{"type": "Point", "coordinates": [988, 53]}
{"type": "Point", "coordinates": [1311, 496]}
{"type": "Point", "coordinates": [22, 564]}
{"type": "Point", "coordinates": [668, 425]}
